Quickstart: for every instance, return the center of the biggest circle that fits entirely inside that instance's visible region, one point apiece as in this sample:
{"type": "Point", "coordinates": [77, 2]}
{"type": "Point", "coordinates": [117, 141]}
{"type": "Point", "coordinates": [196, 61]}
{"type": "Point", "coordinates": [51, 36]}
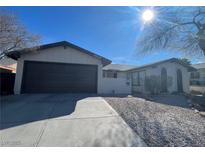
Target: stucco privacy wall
{"type": "Point", "coordinates": [116, 86]}
{"type": "Point", "coordinates": [57, 54]}
{"type": "Point", "coordinates": [120, 85]}
{"type": "Point", "coordinates": [171, 72]}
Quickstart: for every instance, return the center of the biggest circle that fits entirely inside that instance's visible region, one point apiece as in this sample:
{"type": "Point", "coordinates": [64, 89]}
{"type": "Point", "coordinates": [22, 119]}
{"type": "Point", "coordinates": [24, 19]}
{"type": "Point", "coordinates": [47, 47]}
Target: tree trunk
{"type": "Point", "coordinates": [202, 45]}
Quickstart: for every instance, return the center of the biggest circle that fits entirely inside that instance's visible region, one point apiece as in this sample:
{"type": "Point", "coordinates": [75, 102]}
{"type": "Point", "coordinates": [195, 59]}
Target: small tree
{"type": "Point", "coordinates": [13, 35]}
{"type": "Point", "coordinates": [175, 28]}
{"type": "Point", "coordinates": [185, 60]}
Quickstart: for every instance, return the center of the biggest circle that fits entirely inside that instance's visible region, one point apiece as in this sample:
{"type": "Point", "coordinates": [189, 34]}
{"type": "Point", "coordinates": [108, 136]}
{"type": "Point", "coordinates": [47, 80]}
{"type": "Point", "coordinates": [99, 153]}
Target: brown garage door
{"type": "Point", "coordinates": [46, 77]}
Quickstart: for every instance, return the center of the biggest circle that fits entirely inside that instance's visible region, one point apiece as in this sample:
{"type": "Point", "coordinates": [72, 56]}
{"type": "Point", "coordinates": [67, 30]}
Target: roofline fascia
{"type": "Point", "coordinates": [17, 53]}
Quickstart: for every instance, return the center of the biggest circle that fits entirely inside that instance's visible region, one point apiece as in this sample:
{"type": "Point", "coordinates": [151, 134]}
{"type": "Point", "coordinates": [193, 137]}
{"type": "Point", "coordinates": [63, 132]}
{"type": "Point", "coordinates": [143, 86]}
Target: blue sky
{"type": "Point", "coordinates": [108, 31]}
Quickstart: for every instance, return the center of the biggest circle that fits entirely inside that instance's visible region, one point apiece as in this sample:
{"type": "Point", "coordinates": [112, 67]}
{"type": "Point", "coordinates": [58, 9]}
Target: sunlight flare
{"type": "Point", "coordinates": [148, 15]}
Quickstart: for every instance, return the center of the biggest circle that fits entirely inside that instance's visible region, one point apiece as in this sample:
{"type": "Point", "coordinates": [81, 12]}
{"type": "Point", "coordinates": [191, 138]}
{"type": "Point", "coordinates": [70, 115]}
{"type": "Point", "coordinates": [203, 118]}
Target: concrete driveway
{"type": "Point", "coordinates": [62, 120]}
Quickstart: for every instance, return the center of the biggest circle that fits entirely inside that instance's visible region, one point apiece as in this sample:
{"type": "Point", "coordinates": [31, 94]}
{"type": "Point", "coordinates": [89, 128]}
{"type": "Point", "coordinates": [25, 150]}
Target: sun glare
{"type": "Point", "coordinates": [148, 15]}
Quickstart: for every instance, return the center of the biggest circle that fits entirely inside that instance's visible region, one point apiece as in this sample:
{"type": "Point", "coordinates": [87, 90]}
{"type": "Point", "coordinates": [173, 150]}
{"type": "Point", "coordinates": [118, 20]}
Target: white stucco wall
{"type": "Point", "coordinates": [119, 85]}
{"type": "Point", "coordinates": [116, 86]}
{"type": "Point", "coordinates": [122, 75]}
{"type": "Point", "coordinates": [185, 77]}
{"type": "Point", "coordinates": [171, 72]}
{"type": "Point", "coordinates": [57, 54]}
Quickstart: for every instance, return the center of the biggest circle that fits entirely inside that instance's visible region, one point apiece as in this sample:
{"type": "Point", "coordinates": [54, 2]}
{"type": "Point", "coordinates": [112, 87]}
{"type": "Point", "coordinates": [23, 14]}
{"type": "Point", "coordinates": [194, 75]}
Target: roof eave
{"type": "Point", "coordinates": [190, 68]}
{"type": "Point", "coordinates": [17, 54]}
{"type": "Point", "coordinates": [14, 55]}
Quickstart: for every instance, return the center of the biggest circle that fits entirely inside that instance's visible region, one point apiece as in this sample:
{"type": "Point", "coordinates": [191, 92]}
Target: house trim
{"type": "Point", "coordinates": [17, 53]}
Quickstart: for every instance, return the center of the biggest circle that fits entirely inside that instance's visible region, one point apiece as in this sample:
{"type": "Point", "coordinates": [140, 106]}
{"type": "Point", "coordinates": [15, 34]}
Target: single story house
{"type": "Point", "coordinates": [59, 67]}
{"type": "Point", "coordinates": [63, 67]}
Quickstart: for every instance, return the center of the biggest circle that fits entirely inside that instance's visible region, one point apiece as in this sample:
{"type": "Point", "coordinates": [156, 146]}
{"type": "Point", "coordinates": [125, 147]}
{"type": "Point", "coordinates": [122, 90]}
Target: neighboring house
{"type": "Point", "coordinates": [8, 64]}
{"type": "Point", "coordinates": [4, 69]}
{"type": "Point", "coordinates": [64, 67]}
{"type": "Point", "coordinates": [7, 75]}
{"type": "Point", "coordinates": [197, 80]}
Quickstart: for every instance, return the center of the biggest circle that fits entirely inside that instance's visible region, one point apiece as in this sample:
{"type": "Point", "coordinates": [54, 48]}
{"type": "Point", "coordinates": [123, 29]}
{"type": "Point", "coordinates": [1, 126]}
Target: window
{"type": "Point", "coordinates": [195, 75]}
{"type": "Point", "coordinates": [138, 78]}
{"type": "Point", "coordinates": [109, 74]}
{"type": "Point", "coordinates": [128, 76]}
{"type": "Point", "coordinates": [115, 74]}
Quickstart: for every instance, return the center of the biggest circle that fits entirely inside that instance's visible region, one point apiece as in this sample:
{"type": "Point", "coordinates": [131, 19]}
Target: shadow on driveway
{"type": "Point", "coordinates": [21, 109]}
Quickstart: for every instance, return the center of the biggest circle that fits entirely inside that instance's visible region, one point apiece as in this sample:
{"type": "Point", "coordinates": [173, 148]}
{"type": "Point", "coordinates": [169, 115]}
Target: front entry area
{"type": "Point", "coordinates": [163, 80]}
{"type": "Point", "coordinates": [50, 77]}
{"type": "Point", "coordinates": [179, 81]}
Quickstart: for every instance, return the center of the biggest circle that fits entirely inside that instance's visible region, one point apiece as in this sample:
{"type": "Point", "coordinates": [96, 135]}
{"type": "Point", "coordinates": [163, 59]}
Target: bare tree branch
{"type": "Point", "coordinates": [181, 29]}
{"type": "Point", "coordinates": [13, 35]}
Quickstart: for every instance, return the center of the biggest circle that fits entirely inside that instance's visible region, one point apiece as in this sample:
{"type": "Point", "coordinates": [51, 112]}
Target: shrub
{"type": "Point", "coordinates": [152, 84]}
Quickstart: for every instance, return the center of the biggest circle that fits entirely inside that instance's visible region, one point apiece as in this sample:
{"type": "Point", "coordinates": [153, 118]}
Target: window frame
{"type": "Point", "coordinates": [110, 74]}
{"type": "Point", "coordinates": [195, 75]}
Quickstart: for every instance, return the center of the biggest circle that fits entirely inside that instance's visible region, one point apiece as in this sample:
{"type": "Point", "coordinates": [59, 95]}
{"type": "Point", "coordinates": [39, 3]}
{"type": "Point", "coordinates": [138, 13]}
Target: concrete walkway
{"type": "Point", "coordinates": [62, 120]}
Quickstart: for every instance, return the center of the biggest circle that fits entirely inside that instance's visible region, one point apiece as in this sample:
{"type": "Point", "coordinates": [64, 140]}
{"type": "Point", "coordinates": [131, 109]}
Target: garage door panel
{"type": "Point", "coordinates": [43, 77]}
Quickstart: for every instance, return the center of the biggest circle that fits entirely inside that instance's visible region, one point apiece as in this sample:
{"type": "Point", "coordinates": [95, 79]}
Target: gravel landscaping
{"type": "Point", "coordinates": [161, 124]}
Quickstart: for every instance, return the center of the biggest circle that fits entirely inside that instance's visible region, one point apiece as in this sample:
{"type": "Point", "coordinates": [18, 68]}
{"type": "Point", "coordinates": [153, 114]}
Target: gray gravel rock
{"type": "Point", "coordinates": [202, 114]}
{"type": "Point", "coordinates": [161, 124]}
